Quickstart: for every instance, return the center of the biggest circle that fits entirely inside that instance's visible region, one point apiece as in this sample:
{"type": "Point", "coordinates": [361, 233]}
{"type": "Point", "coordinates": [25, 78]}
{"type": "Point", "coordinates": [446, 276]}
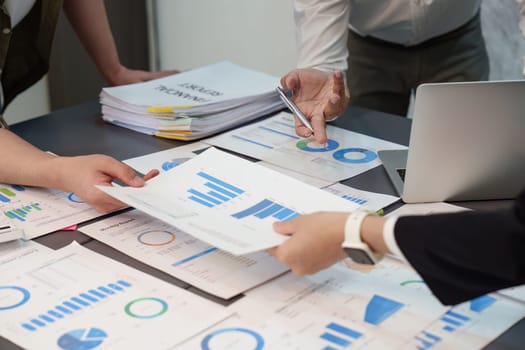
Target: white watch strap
{"type": "Point", "coordinates": [353, 225]}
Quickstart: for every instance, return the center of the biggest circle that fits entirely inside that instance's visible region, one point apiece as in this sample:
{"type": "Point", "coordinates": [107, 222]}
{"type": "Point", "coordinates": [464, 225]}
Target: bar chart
{"type": "Point", "coordinates": [216, 191]}
{"type": "Point", "coordinates": [75, 304]}
{"type": "Point", "coordinates": [6, 194]}
{"type": "Point", "coordinates": [21, 213]}
{"type": "Point", "coordinates": [339, 336]}
{"type": "Point", "coordinates": [267, 208]}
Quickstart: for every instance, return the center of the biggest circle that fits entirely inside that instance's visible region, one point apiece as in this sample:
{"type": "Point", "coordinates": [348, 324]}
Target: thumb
{"type": "Point", "coordinates": [285, 228]}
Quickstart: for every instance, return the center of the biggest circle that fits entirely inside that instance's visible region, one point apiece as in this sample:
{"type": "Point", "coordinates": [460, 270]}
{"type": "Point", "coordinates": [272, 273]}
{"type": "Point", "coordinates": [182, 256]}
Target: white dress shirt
{"type": "Point", "coordinates": [18, 9]}
{"type": "Point", "coordinates": [322, 25]}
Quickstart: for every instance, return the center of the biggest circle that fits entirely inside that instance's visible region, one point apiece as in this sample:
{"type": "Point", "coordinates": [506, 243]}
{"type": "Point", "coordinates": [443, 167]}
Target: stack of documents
{"type": "Point", "coordinates": [193, 104]}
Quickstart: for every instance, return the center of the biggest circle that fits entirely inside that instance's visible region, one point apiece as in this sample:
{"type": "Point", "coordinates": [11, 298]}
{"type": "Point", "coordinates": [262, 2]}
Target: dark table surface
{"type": "Point", "coordinates": [80, 130]}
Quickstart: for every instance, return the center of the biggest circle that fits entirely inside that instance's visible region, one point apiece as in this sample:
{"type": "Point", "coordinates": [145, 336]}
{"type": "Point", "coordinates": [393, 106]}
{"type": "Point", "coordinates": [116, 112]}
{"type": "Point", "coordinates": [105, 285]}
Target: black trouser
{"type": "Point", "coordinates": [382, 75]}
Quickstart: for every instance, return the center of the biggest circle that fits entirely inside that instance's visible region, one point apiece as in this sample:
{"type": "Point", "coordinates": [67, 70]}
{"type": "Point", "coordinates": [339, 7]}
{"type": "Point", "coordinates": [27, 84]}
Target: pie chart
{"type": "Point", "coordinates": [82, 339]}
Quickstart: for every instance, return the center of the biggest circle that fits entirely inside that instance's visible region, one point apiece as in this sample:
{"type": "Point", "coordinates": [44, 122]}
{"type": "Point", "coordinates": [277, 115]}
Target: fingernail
{"type": "Point", "coordinates": [137, 180]}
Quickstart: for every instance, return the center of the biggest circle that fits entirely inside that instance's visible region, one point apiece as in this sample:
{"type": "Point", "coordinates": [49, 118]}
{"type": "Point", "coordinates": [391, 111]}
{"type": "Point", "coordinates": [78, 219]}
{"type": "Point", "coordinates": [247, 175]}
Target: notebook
{"type": "Point", "coordinates": [467, 142]}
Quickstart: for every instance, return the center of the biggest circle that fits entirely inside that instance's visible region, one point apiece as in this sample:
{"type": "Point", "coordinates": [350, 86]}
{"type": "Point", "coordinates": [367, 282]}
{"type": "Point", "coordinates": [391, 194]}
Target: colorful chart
{"type": "Point", "coordinates": [6, 194]}
{"type": "Point", "coordinates": [82, 339]}
{"type": "Point", "coordinates": [146, 307]}
{"type": "Point", "coordinates": [365, 155]}
{"type": "Point", "coordinates": [20, 213]}
{"type": "Point", "coordinates": [156, 238]}
{"type": "Point", "coordinates": [12, 297]}
{"type": "Point", "coordinates": [259, 341]}
{"type": "Point", "coordinates": [312, 146]}
{"type": "Point", "coordinates": [170, 164]}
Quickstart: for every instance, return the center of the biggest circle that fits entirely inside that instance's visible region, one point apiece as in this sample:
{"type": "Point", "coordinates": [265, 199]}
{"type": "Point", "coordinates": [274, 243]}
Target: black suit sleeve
{"type": "Point", "coordinates": [464, 255]}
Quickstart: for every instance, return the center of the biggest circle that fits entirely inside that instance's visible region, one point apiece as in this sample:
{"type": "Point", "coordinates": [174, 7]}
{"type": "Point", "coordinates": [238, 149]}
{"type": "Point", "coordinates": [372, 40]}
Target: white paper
{"type": "Point", "coordinates": [314, 181]}
{"type": "Point", "coordinates": [165, 160]}
{"type": "Point", "coordinates": [471, 325]}
{"type": "Point", "coordinates": [39, 211]}
{"type": "Point", "coordinates": [78, 299]}
{"type": "Point", "coordinates": [247, 199]}
{"type": "Point", "coordinates": [274, 140]}
{"type": "Point", "coordinates": [184, 257]}
{"type": "Point", "coordinates": [365, 199]}
{"type": "Point", "coordinates": [362, 310]}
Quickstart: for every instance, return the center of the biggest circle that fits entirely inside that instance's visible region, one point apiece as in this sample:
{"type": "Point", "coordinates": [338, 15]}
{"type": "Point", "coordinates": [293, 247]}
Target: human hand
{"type": "Point", "coordinates": [319, 95]}
{"type": "Point", "coordinates": [81, 174]}
{"type": "Point", "coordinates": [314, 243]}
{"type": "Point", "coordinates": [123, 75]}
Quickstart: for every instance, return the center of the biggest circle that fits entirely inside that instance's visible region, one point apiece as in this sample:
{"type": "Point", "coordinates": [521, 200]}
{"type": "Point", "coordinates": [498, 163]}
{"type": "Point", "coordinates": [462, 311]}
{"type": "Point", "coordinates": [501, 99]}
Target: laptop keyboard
{"type": "Point", "coordinates": [402, 173]}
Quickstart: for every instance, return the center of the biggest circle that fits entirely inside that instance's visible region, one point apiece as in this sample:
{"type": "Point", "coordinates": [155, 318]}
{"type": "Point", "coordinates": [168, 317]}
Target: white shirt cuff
{"type": "Point", "coordinates": [390, 239]}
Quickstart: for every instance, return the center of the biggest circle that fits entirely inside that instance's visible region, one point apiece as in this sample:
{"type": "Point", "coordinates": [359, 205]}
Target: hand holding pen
{"type": "Point", "coordinates": [320, 96]}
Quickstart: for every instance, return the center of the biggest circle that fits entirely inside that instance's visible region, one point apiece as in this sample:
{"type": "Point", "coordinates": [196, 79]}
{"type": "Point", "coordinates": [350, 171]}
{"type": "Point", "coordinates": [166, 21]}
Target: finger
{"type": "Point", "coordinates": [272, 251]}
{"type": "Point", "coordinates": [339, 84]}
{"type": "Point", "coordinates": [300, 129]}
{"type": "Point", "coordinates": [333, 107]}
{"type": "Point", "coordinates": [285, 227]}
{"type": "Point", "coordinates": [319, 126]}
{"type": "Point", "coordinates": [290, 81]}
{"type": "Point", "coordinates": [151, 174]}
{"type": "Point", "coordinates": [123, 172]}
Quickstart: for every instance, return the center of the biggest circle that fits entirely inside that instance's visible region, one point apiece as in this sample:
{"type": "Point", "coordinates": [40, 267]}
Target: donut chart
{"type": "Point", "coordinates": [259, 341]}
{"type": "Point", "coordinates": [311, 146]}
{"type": "Point", "coordinates": [363, 155]}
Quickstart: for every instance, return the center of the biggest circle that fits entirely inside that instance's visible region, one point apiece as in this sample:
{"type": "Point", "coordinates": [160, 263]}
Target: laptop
{"type": "Point", "coordinates": [467, 142]}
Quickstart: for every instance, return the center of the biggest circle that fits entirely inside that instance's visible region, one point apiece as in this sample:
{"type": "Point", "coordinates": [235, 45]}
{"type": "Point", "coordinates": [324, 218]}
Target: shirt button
{"type": "Point", "coordinates": [6, 30]}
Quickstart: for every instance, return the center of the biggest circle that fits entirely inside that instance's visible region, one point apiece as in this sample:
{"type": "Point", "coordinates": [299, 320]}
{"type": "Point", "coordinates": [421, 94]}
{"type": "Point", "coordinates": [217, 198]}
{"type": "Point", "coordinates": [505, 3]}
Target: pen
{"type": "Point", "coordinates": [293, 107]}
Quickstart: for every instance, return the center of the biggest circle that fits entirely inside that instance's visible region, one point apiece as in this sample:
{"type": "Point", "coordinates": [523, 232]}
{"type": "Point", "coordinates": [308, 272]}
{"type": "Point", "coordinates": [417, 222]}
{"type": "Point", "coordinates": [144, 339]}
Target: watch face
{"type": "Point", "coordinates": [359, 256]}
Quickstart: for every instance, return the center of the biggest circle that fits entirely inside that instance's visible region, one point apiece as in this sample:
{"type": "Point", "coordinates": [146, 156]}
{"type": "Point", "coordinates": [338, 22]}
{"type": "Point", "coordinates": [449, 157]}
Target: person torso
{"type": "Point", "coordinates": [409, 22]}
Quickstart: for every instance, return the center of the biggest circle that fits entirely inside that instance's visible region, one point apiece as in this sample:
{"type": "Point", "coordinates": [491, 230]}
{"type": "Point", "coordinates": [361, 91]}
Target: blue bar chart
{"type": "Point", "coordinates": [453, 320]}
{"type": "Point", "coordinates": [339, 336]}
{"type": "Point", "coordinates": [426, 340]}
{"type": "Point", "coordinates": [355, 199]}
{"type": "Point", "coordinates": [75, 304]}
{"type": "Point", "coordinates": [380, 309]}
{"type": "Point", "coordinates": [216, 191]}
{"type": "Point", "coordinates": [267, 208]}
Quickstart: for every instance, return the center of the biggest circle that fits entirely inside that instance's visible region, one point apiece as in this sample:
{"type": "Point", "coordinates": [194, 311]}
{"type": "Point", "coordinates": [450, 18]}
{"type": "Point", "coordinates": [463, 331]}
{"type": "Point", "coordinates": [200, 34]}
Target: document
{"type": "Point", "coordinates": [167, 159]}
{"type": "Point", "coordinates": [193, 104]}
{"type": "Point", "coordinates": [227, 202]}
{"type": "Point", "coordinates": [334, 309]}
{"type": "Point", "coordinates": [386, 307]}
{"type": "Point", "coordinates": [273, 140]}
{"type": "Point", "coordinates": [77, 299]}
{"type": "Point", "coordinates": [39, 211]}
{"type": "Point", "coordinates": [178, 254]}
{"type": "Point", "coordinates": [365, 199]}
{"type": "Point", "coordinates": [170, 158]}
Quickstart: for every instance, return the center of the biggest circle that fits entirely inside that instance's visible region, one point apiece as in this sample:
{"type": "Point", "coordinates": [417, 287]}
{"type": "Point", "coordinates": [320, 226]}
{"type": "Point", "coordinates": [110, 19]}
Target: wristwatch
{"type": "Point", "coordinates": [353, 246]}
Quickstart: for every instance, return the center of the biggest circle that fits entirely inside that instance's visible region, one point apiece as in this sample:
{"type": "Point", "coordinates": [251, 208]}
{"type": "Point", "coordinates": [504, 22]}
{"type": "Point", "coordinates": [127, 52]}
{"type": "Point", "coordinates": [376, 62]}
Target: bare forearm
{"type": "Point", "coordinates": [372, 234]}
{"type": "Point", "coordinates": [21, 163]}
{"type": "Point", "coordinates": [89, 19]}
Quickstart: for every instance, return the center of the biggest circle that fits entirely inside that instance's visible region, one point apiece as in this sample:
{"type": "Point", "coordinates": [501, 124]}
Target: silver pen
{"type": "Point", "coordinates": [293, 107]}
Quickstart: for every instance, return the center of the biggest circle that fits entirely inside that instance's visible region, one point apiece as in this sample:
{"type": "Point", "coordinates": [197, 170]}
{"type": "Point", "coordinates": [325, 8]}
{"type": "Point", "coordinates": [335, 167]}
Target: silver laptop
{"type": "Point", "coordinates": [467, 143]}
